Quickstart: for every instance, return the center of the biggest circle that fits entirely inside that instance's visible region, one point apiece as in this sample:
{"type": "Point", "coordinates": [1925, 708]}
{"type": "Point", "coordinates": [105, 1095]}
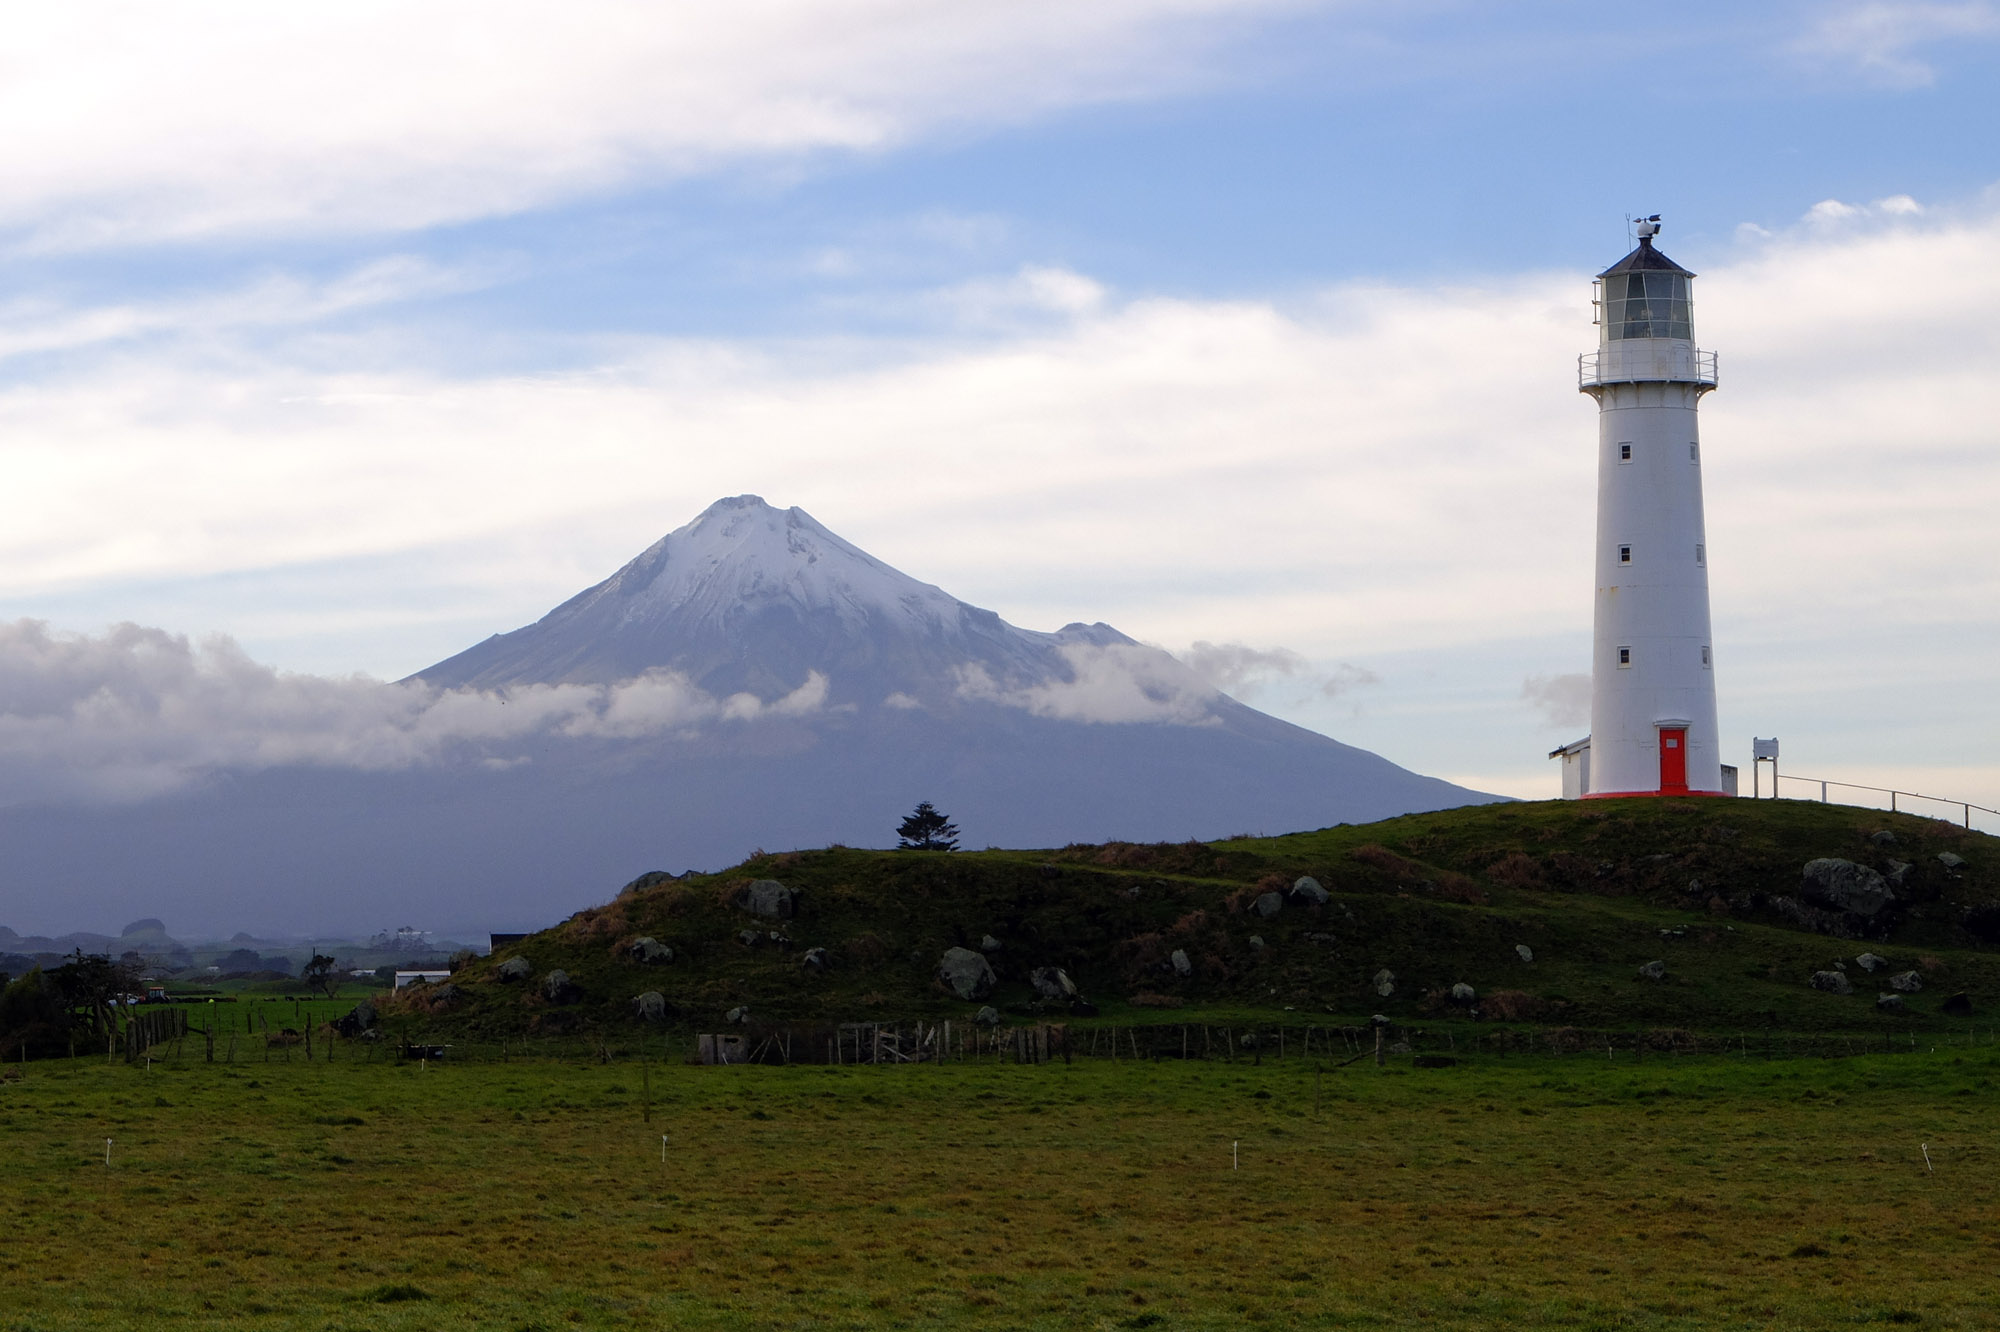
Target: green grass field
{"type": "Point", "coordinates": [1558, 1192]}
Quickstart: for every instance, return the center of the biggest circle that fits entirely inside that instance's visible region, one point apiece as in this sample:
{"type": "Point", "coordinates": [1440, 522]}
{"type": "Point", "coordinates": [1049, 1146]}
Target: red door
{"type": "Point", "coordinates": [1673, 758]}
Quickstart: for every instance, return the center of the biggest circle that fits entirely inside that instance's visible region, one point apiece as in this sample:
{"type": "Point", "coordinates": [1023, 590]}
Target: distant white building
{"type": "Point", "coordinates": [1652, 702]}
{"type": "Point", "coordinates": [420, 977]}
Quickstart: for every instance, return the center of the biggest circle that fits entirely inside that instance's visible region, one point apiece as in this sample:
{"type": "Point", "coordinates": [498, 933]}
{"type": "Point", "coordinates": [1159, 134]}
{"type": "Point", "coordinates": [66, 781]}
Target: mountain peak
{"type": "Point", "coordinates": [752, 597]}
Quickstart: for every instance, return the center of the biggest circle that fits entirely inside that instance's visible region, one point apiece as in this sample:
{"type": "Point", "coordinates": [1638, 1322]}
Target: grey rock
{"type": "Point", "coordinates": [1463, 993]}
{"type": "Point", "coordinates": [515, 969]}
{"type": "Point", "coordinates": [1889, 1003]}
{"type": "Point", "coordinates": [1182, 967]}
{"type": "Point", "coordinates": [1833, 982]}
{"type": "Point", "coordinates": [1899, 870]}
{"type": "Point", "coordinates": [1654, 970]}
{"type": "Point", "coordinates": [1269, 905]}
{"type": "Point", "coordinates": [1385, 982]}
{"type": "Point", "coordinates": [1883, 837]}
{"type": "Point", "coordinates": [651, 952]}
{"type": "Point", "coordinates": [650, 1007]}
{"type": "Point", "coordinates": [1950, 860]}
{"type": "Point", "coordinates": [1906, 982]}
{"type": "Point", "coordinates": [989, 944]}
{"type": "Point", "coordinates": [767, 897]}
{"type": "Point", "coordinates": [968, 974]}
{"type": "Point", "coordinates": [359, 1019]}
{"type": "Point", "coordinates": [1525, 953]}
{"type": "Point", "coordinates": [558, 988]}
{"type": "Point", "coordinates": [738, 1015]}
{"type": "Point", "coordinates": [749, 938]}
{"type": "Point", "coordinates": [444, 996]}
{"type": "Point", "coordinates": [815, 959]}
{"type": "Point", "coordinates": [1257, 941]}
{"type": "Point", "coordinates": [987, 1017]}
{"type": "Point", "coordinates": [778, 939]}
{"type": "Point", "coordinates": [1052, 983]}
{"type": "Point", "coordinates": [1845, 886]}
{"type": "Point", "coordinates": [1308, 892]}
{"type": "Point", "coordinates": [1871, 962]}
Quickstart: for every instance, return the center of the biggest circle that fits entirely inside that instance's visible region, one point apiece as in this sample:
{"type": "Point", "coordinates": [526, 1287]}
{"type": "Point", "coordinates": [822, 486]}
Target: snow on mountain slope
{"type": "Point", "coordinates": [748, 598]}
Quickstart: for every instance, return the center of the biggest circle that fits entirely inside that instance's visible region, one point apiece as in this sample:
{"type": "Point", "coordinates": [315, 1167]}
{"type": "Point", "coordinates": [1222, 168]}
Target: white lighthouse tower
{"type": "Point", "coordinates": [1652, 698]}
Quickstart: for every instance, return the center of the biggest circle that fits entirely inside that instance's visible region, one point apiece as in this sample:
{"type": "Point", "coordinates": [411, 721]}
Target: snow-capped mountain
{"type": "Point", "coordinates": [751, 680]}
{"type": "Point", "coordinates": [751, 598]}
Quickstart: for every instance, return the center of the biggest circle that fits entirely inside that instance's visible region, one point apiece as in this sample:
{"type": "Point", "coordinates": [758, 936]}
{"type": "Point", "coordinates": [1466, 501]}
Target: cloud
{"type": "Point", "coordinates": [1242, 671]}
{"type": "Point", "coordinates": [1882, 40]}
{"type": "Point", "coordinates": [1109, 683]}
{"type": "Point", "coordinates": [123, 123]}
{"type": "Point", "coordinates": [138, 712]}
{"type": "Point", "coordinates": [1561, 700]}
{"type": "Point", "coordinates": [1336, 473]}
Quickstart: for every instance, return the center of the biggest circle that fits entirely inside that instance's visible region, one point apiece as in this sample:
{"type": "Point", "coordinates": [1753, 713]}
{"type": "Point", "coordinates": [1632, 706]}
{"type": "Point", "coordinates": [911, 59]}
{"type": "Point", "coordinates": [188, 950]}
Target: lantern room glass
{"type": "Point", "coordinates": [1647, 305]}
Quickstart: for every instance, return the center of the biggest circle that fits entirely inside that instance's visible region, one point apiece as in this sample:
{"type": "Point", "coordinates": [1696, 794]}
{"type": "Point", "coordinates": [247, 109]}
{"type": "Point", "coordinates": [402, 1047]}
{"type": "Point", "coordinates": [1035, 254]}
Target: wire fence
{"type": "Point", "coordinates": [1899, 802]}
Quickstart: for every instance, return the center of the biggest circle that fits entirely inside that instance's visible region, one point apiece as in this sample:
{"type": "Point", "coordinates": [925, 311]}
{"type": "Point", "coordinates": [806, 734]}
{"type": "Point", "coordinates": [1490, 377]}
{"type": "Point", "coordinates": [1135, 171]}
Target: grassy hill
{"type": "Point", "coordinates": [1595, 890]}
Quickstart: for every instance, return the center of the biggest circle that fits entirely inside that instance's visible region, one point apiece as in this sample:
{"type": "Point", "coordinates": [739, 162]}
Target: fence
{"type": "Point", "coordinates": [1897, 799]}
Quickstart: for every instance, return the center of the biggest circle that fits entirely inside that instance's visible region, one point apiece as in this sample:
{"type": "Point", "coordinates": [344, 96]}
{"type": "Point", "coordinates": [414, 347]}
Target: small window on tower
{"type": "Point", "coordinates": [1701, 554]}
{"type": "Point", "coordinates": [1705, 662]}
{"type": "Point", "coordinates": [1624, 554]}
{"type": "Point", "coordinates": [1624, 453]}
{"type": "Point", "coordinates": [1624, 657]}
{"type": "Point", "coordinates": [1694, 453]}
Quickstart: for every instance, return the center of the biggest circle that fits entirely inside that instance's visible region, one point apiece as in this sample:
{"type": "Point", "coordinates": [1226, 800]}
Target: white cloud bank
{"type": "Point", "coordinates": [138, 712]}
{"type": "Point", "coordinates": [123, 122]}
{"type": "Point", "coordinates": [1370, 473]}
{"type": "Point", "coordinates": [1883, 39]}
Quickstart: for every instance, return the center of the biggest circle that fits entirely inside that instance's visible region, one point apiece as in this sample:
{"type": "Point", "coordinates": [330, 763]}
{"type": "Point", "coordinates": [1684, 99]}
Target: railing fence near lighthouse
{"type": "Point", "coordinates": [1695, 367]}
{"type": "Point", "coordinates": [1827, 784]}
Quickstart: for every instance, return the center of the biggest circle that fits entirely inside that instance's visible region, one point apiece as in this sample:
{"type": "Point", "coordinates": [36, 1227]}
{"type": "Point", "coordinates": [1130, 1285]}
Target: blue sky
{"type": "Point", "coordinates": [359, 334]}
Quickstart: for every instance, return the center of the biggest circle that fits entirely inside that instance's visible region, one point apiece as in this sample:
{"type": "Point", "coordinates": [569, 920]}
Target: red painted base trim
{"type": "Point", "coordinates": [1630, 795]}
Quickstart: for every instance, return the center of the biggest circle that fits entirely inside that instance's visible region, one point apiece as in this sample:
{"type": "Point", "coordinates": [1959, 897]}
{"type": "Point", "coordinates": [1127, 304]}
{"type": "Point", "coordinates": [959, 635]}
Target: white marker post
{"type": "Point", "coordinates": [663, 1149]}
{"type": "Point", "coordinates": [1926, 1148]}
{"type": "Point", "coordinates": [107, 1153]}
{"type": "Point", "coordinates": [1232, 1156]}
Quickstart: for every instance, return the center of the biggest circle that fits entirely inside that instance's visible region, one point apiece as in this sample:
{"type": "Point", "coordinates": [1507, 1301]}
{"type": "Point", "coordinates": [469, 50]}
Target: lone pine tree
{"type": "Point", "coordinates": [927, 830]}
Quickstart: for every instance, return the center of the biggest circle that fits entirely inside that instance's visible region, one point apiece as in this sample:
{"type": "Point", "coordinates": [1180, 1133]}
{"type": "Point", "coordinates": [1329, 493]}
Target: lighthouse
{"type": "Point", "coordinates": [1652, 697]}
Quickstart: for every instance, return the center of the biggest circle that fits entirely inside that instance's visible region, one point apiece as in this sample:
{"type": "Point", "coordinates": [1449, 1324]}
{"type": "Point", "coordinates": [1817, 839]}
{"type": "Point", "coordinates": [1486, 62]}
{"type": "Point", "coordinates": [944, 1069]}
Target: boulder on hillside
{"type": "Point", "coordinates": [1307, 892]}
{"type": "Point", "coordinates": [558, 988]}
{"type": "Point", "coordinates": [1906, 982]}
{"type": "Point", "coordinates": [1525, 953]}
{"type": "Point", "coordinates": [1052, 983]}
{"type": "Point", "coordinates": [360, 1018]}
{"type": "Point", "coordinates": [989, 944]}
{"type": "Point", "coordinates": [1842, 885]}
{"type": "Point", "coordinates": [738, 1015]}
{"type": "Point", "coordinates": [1889, 1003]}
{"type": "Point", "coordinates": [1257, 942]}
{"type": "Point", "coordinates": [966, 973]}
{"type": "Point", "coordinates": [650, 1007]}
{"type": "Point", "coordinates": [1654, 970]}
{"type": "Point", "coordinates": [1883, 837]}
{"type": "Point", "coordinates": [815, 959]}
{"type": "Point", "coordinates": [1463, 994]}
{"type": "Point", "coordinates": [1181, 965]}
{"type": "Point", "coordinates": [988, 1016]}
{"type": "Point", "coordinates": [749, 938]}
{"type": "Point", "coordinates": [651, 952]}
{"type": "Point", "coordinates": [1268, 905]}
{"type": "Point", "coordinates": [515, 969]}
{"type": "Point", "coordinates": [1833, 982]}
{"type": "Point", "coordinates": [767, 897]}
{"type": "Point", "coordinates": [1950, 861]}
{"type": "Point", "coordinates": [1385, 982]}
{"type": "Point", "coordinates": [1871, 962]}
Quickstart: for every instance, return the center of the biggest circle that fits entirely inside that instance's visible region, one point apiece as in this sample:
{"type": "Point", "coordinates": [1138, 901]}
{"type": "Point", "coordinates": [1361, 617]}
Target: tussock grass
{"type": "Point", "coordinates": [1547, 1192]}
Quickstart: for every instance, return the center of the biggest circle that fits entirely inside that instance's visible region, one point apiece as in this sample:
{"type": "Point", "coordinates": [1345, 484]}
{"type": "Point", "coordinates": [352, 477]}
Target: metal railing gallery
{"type": "Point", "coordinates": [1965, 807]}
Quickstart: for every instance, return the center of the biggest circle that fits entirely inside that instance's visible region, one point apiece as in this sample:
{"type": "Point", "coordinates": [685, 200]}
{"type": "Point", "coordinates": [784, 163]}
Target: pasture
{"type": "Point", "coordinates": [1573, 1191]}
